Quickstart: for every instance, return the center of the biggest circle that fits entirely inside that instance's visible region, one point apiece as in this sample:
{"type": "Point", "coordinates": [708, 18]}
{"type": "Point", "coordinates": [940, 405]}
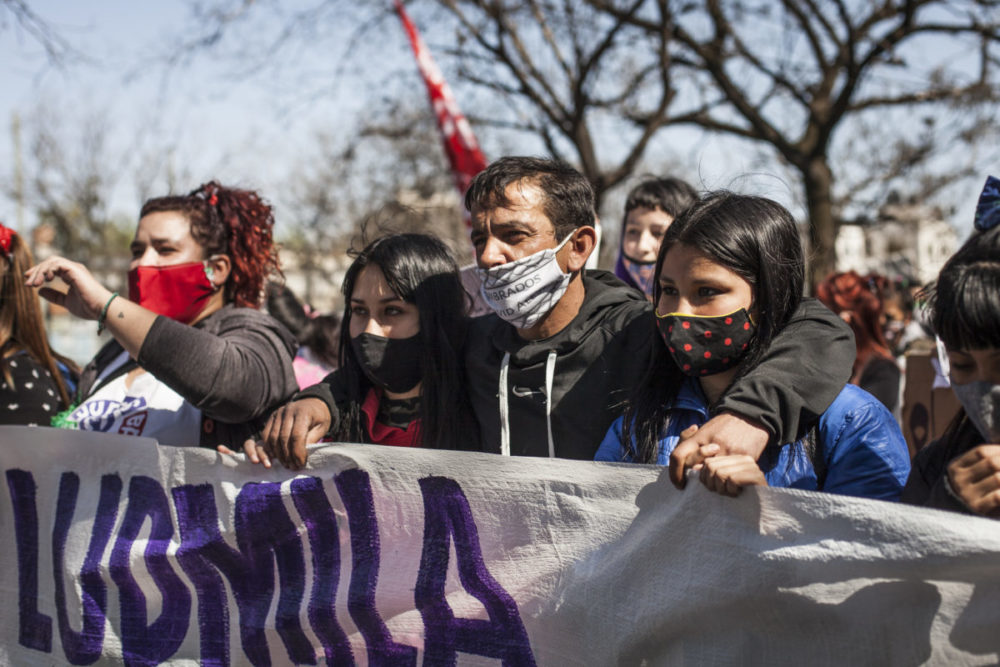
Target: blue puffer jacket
{"type": "Point", "coordinates": [860, 449]}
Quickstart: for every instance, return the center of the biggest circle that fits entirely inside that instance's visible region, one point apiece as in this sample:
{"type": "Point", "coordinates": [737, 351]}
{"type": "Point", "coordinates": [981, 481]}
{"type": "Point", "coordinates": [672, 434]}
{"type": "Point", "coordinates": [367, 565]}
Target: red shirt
{"type": "Point", "coordinates": [382, 434]}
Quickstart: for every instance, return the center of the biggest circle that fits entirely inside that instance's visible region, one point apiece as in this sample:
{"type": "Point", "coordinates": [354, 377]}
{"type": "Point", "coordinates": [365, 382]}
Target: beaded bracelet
{"type": "Point", "coordinates": [104, 314]}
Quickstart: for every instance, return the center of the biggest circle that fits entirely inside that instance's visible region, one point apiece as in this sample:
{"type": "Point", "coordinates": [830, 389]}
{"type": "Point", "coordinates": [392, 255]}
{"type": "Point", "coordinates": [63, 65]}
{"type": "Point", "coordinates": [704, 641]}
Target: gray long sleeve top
{"type": "Point", "coordinates": [235, 366]}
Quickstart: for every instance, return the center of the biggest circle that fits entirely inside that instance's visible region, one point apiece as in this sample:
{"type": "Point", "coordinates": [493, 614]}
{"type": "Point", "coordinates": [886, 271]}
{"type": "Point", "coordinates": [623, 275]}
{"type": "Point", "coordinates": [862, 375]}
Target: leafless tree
{"type": "Point", "coordinates": [793, 75]}
{"type": "Point", "coordinates": [19, 16]}
{"type": "Point", "coordinates": [853, 96]}
{"type": "Point", "coordinates": [69, 183]}
{"type": "Point", "coordinates": [389, 176]}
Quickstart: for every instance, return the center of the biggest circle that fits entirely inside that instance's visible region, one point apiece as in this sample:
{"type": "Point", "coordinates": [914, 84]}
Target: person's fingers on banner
{"type": "Point", "coordinates": [975, 478]}
{"type": "Point", "coordinates": [729, 474]}
{"type": "Point", "coordinates": [291, 428]}
{"type": "Point", "coordinates": [272, 427]}
{"type": "Point", "coordinates": [689, 456]}
{"type": "Point", "coordinates": [732, 433]}
{"type": "Point", "coordinates": [282, 447]}
{"type": "Point", "coordinates": [256, 452]}
{"type": "Point", "coordinates": [295, 445]}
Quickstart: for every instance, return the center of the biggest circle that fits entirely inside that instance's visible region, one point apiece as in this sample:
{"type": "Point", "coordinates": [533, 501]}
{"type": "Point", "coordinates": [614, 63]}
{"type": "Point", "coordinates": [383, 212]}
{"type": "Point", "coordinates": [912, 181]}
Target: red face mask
{"type": "Point", "coordinates": [179, 292]}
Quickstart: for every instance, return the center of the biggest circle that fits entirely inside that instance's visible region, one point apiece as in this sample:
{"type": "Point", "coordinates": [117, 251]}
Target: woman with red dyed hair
{"type": "Point", "coordinates": [192, 360]}
{"type": "Point", "coordinates": [855, 299]}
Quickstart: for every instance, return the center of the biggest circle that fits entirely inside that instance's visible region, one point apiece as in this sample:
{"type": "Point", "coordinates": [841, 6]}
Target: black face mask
{"type": "Point", "coordinates": [390, 363]}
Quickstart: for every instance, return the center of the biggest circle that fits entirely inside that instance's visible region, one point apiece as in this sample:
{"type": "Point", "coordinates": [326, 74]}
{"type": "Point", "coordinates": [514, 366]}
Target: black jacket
{"type": "Point", "coordinates": [926, 484]}
{"type": "Point", "coordinates": [235, 366]}
{"type": "Point", "coordinates": [603, 353]}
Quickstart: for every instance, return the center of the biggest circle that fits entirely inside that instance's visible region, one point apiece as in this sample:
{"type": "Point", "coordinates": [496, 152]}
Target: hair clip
{"type": "Point", "coordinates": [988, 208]}
{"type": "Point", "coordinates": [6, 238]}
{"type": "Point", "coordinates": [213, 200]}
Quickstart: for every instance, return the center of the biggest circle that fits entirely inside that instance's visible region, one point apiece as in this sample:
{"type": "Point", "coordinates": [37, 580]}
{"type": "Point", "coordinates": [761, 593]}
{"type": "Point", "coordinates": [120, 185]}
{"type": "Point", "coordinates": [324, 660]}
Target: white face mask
{"type": "Point", "coordinates": [981, 401]}
{"type": "Point", "coordinates": [524, 291]}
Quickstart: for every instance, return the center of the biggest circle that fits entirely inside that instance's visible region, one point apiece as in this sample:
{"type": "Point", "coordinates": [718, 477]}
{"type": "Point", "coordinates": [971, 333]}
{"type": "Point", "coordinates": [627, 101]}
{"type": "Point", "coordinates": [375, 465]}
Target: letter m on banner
{"type": "Point", "coordinates": [460, 143]}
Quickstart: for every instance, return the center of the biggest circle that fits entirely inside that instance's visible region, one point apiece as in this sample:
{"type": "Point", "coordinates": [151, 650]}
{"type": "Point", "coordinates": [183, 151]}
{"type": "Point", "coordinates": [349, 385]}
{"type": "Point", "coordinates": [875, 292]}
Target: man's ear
{"type": "Point", "coordinates": [579, 247]}
{"type": "Point", "coordinates": [220, 266]}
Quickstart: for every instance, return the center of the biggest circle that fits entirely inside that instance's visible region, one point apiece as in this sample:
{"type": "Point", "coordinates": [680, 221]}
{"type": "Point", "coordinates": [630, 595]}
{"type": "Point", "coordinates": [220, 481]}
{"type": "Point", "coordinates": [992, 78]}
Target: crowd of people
{"type": "Point", "coordinates": [699, 352]}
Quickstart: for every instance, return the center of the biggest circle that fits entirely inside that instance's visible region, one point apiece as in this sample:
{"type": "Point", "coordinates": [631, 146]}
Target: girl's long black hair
{"type": "Point", "coordinates": [755, 238]}
{"type": "Point", "coordinates": [420, 270]}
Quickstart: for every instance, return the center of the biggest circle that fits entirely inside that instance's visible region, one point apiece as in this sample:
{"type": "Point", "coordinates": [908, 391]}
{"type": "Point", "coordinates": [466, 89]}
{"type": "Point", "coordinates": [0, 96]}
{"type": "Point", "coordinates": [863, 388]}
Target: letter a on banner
{"type": "Point", "coordinates": [448, 517]}
{"type": "Point", "coordinates": [460, 143]}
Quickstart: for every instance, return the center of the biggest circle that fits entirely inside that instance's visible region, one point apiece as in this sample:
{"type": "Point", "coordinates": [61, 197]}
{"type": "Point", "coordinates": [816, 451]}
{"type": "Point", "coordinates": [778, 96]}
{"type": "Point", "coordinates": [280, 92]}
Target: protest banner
{"type": "Point", "coordinates": [119, 551]}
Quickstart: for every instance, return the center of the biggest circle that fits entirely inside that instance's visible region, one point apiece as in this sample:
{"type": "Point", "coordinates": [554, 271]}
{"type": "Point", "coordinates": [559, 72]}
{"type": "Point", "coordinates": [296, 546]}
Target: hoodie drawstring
{"type": "Point", "coordinates": [504, 420]}
{"type": "Point", "coordinates": [550, 371]}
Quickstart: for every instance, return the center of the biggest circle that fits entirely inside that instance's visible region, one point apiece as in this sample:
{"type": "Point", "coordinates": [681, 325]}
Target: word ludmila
{"type": "Point", "coordinates": [266, 535]}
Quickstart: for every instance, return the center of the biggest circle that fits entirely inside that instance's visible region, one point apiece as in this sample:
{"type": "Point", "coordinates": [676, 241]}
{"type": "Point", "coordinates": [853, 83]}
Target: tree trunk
{"type": "Point", "coordinates": [818, 181]}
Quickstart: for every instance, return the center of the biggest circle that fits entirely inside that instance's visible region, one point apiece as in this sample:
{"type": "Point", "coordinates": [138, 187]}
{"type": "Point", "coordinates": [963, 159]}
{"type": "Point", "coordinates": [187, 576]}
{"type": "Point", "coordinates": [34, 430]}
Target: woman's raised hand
{"type": "Point", "coordinates": [85, 298]}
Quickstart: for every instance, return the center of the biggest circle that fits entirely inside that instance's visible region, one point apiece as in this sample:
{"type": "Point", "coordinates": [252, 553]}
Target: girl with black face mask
{"type": "Point", "coordinates": [729, 275]}
{"type": "Point", "coordinates": [400, 378]}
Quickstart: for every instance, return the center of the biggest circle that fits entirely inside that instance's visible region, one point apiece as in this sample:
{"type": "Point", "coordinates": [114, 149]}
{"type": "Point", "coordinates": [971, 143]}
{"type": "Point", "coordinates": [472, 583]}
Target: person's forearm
{"type": "Point", "coordinates": [805, 368]}
{"type": "Point", "coordinates": [128, 322]}
{"type": "Point", "coordinates": [236, 375]}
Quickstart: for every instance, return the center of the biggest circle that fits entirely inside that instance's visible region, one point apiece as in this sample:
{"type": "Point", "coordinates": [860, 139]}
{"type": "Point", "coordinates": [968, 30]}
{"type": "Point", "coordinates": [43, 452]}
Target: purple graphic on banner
{"type": "Point", "coordinates": [144, 644]}
{"type": "Point", "coordinates": [267, 539]}
{"type": "Point", "coordinates": [355, 490]}
{"type": "Point", "coordinates": [447, 515]}
{"type": "Point", "coordinates": [34, 628]}
{"type": "Point", "coordinates": [265, 534]}
{"type": "Point", "coordinates": [321, 523]}
{"type": "Point", "coordinates": [84, 647]}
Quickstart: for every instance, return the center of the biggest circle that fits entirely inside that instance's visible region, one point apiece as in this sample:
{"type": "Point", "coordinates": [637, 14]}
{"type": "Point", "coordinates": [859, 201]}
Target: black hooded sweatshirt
{"type": "Point", "coordinates": [598, 358]}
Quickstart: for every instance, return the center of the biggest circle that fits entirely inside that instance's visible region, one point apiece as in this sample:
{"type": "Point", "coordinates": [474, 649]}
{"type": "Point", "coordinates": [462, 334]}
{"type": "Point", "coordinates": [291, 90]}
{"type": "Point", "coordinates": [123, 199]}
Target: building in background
{"type": "Point", "coordinates": [910, 241]}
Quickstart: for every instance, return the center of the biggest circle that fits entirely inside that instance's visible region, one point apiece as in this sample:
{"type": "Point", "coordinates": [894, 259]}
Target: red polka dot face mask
{"type": "Point", "coordinates": [706, 345]}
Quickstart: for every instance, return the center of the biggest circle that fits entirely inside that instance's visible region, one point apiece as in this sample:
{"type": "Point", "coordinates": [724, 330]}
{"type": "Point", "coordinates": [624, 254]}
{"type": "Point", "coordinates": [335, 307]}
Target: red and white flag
{"type": "Point", "coordinates": [460, 143]}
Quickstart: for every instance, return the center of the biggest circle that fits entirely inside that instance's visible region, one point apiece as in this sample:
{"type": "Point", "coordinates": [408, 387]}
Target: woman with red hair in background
{"type": "Point", "coordinates": [192, 360]}
{"type": "Point", "coordinates": [855, 298]}
{"type": "Point", "coordinates": [33, 382]}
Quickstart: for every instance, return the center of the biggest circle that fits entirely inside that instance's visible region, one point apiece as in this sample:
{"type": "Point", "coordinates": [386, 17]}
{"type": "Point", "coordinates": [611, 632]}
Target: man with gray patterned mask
{"type": "Point", "coordinates": [551, 368]}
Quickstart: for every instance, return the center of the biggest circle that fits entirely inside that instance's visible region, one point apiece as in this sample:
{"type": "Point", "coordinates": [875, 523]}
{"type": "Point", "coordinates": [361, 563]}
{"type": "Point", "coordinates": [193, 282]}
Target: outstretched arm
{"type": "Point", "coordinates": [805, 367]}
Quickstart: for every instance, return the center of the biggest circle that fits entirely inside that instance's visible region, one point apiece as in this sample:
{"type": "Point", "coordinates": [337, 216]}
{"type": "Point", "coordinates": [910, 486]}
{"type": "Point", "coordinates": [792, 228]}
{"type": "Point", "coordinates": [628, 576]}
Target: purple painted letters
{"type": "Point", "coordinates": [446, 515]}
{"type": "Point", "coordinates": [144, 644]}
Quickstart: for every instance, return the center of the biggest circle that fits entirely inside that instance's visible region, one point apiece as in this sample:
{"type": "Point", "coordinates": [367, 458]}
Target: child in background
{"type": "Point", "coordinates": [650, 208]}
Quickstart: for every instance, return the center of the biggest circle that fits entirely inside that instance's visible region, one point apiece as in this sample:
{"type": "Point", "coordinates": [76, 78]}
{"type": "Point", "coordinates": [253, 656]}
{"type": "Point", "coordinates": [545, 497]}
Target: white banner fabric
{"type": "Point", "coordinates": [117, 551]}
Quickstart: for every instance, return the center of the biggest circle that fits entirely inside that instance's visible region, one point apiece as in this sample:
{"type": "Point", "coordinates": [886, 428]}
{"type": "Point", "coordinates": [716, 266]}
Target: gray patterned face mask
{"type": "Point", "coordinates": [525, 290]}
{"type": "Point", "coordinates": [981, 401]}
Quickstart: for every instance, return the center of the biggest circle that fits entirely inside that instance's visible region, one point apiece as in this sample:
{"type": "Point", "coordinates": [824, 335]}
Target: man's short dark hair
{"type": "Point", "coordinates": [568, 198]}
{"type": "Point", "coordinates": [670, 195]}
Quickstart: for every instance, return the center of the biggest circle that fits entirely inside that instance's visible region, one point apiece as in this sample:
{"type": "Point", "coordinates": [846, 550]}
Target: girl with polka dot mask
{"type": "Point", "coordinates": [729, 275]}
